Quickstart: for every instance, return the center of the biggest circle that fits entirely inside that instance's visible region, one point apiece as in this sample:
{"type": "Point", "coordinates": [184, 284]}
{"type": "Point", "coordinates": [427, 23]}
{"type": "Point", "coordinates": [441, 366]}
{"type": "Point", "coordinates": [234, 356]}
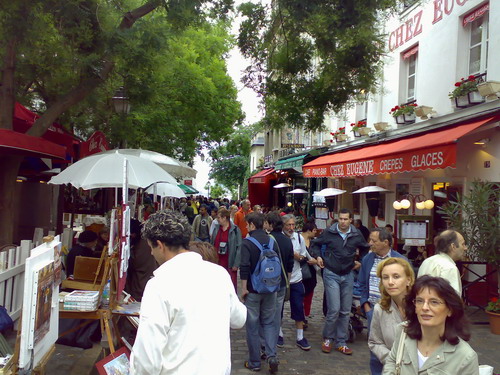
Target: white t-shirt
{"type": "Point", "coordinates": [186, 312]}
{"type": "Point", "coordinates": [299, 246]}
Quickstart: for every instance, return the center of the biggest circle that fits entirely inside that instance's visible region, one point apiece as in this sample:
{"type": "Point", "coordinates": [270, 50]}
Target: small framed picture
{"type": "Point", "coordinates": [117, 363]}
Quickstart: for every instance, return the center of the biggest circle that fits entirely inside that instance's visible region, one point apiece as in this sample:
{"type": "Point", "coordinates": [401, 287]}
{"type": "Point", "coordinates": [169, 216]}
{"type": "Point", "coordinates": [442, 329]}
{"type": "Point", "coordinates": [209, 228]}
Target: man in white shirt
{"type": "Point", "coordinates": [187, 308]}
{"type": "Point", "coordinates": [297, 291]}
{"type": "Point", "coordinates": [450, 248]}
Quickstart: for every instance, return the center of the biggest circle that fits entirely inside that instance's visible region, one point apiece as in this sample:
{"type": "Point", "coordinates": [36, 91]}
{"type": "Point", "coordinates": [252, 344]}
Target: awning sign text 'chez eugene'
{"type": "Point", "coordinates": [436, 150]}
{"type": "Point", "coordinates": [437, 157]}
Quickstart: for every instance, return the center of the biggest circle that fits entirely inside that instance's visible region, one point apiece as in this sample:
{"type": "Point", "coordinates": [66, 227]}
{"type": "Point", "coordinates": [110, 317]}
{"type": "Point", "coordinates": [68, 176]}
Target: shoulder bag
{"type": "Point", "coordinates": [399, 355]}
{"type": "Point", "coordinates": [287, 293]}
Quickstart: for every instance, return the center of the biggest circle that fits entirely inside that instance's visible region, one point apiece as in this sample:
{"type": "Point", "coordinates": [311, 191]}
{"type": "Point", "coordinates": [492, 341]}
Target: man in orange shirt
{"type": "Point", "coordinates": [239, 217]}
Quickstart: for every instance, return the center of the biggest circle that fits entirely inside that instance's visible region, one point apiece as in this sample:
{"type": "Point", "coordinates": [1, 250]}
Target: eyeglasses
{"type": "Point", "coordinates": [434, 303]}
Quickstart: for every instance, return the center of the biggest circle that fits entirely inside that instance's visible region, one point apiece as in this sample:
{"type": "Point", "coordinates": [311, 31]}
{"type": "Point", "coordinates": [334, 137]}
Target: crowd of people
{"type": "Point", "coordinates": [415, 325]}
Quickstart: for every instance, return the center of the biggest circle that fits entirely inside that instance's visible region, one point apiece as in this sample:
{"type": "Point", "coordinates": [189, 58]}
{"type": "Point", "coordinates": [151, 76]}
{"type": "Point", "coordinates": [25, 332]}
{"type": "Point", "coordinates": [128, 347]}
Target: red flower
{"type": "Point", "coordinates": [457, 84]}
{"type": "Point", "coordinates": [396, 107]}
{"type": "Point", "coordinates": [471, 78]}
{"type": "Point", "coordinates": [494, 299]}
{"type": "Point", "coordinates": [331, 140]}
{"type": "Point", "coordinates": [353, 124]}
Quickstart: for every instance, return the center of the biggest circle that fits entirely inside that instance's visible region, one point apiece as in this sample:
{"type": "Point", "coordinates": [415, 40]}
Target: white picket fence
{"type": "Point", "coordinates": [12, 263]}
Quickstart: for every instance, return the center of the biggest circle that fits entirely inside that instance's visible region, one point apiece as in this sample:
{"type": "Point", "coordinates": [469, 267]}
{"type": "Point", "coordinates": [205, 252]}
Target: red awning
{"type": "Point", "coordinates": [434, 150]}
{"type": "Point", "coordinates": [24, 119]}
{"type": "Point", "coordinates": [475, 14]}
{"type": "Point", "coordinates": [410, 52]}
{"type": "Point", "coordinates": [27, 145]}
{"type": "Point", "coordinates": [259, 178]}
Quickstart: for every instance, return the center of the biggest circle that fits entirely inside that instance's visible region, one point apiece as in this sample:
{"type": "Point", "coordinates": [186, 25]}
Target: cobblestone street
{"type": "Point", "coordinates": [73, 361]}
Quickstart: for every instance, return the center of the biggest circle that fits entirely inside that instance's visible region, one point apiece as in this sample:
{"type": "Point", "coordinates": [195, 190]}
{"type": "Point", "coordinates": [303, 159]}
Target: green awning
{"type": "Point", "coordinates": [188, 189]}
{"type": "Point", "coordinates": [290, 163]}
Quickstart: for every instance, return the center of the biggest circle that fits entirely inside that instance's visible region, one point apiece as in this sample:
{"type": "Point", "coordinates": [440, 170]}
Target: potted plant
{"type": "Point", "coordinates": [493, 311]}
{"type": "Point", "coordinates": [475, 216]}
{"type": "Point", "coordinates": [489, 89]}
{"type": "Point", "coordinates": [466, 93]}
{"type": "Point", "coordinates": [423, 111]}
{"type": "Point", "coordinates": [340, 135]}
{"type": "Point", "coordinates": [381, 126]}
{"type": "Point", "coordinates": [359, 128]}
{"type": "Point", "coordinates": [404, 114]}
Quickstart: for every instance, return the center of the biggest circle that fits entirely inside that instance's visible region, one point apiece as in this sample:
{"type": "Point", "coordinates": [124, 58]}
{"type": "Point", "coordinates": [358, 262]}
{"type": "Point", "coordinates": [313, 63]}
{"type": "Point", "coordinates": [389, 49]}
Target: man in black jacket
{"type": "Point", "coordinates": [335, 250]}
{"type": "Point", "coordinates": [275, 224]}
{"type": "Point", "coordinates": [260, 306]}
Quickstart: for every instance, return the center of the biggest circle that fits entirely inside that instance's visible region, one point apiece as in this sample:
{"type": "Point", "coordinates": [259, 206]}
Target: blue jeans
{"type": "Point", "coordinates": [278, 316]}
{"type": "Point", "coordinates": [260, 313]}
{"type": "Point", "coordinates": [376, 367]}
{"type": "Point", "coordinates": [339, 301]}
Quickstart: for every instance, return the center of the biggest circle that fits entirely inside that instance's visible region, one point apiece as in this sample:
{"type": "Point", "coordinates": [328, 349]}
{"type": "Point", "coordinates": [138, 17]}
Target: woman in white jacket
{"type": "Point", "coordinates": [396, 279]}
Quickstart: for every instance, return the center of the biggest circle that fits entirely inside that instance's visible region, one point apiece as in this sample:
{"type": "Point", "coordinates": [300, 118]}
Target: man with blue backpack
{"type": "Point", "coordinates": [260, 272]}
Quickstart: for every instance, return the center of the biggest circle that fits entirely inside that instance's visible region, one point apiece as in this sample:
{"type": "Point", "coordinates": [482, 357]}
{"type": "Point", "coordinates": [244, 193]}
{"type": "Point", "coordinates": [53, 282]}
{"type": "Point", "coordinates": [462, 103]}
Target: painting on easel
{"type": "Point", "coordinates": [44, 301]}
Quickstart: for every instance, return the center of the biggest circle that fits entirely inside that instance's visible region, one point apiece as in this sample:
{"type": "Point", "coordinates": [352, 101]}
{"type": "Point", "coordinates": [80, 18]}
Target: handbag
{"type": "Point", "coordinates": [399, 354]}
{"type": "Point", "coordinates": [306, 271]}
{"type": "Point", "coordinates": [287, 293]}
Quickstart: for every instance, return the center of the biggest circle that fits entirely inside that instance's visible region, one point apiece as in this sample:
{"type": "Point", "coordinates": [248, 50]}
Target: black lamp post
{"type": "Point", "coordinates": [121, 104]}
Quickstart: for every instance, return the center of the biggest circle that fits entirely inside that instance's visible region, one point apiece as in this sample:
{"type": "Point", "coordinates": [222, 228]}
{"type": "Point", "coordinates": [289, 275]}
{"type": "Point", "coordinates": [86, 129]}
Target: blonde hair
{"type": "Point", "coordinates": [385, 299]}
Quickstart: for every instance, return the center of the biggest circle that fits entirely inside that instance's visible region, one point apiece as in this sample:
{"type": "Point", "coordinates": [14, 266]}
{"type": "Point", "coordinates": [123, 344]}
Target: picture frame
{"type": "Point", "coordinates": [117, 363]}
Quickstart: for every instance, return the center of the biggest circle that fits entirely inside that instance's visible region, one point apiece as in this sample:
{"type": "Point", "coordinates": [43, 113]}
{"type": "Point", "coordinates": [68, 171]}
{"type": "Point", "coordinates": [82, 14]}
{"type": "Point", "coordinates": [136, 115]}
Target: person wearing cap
{"type": "Point", "coordinates": [87, 241]}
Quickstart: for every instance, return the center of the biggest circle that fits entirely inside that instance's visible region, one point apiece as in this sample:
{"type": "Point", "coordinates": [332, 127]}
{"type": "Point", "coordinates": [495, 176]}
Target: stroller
{"type": "Point", "coordinates": [357, 316]}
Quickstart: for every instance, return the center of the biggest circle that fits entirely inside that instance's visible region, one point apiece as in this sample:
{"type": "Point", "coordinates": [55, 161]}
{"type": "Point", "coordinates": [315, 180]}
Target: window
{"type": "Point", "coordinates": [478, 45]}
{"type": "Point", "coordinates": [411, 77]}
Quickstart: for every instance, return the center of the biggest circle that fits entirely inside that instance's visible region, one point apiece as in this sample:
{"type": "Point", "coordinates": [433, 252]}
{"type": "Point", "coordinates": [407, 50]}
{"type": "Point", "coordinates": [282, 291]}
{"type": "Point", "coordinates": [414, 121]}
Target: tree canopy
{"type": "Point", "coordinates": [310, 57]}
{"type": "Point", "coordinates": [230, 165]}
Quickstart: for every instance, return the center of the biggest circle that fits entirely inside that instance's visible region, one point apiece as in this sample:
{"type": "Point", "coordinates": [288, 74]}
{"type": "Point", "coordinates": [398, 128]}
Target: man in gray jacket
{"type": "Point", "coordinates": [226, 238]}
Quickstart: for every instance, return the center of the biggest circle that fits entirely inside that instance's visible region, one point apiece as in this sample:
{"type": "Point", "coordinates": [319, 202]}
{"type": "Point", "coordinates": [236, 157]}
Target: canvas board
{"type": "Point", "coordinates": [40, 313]}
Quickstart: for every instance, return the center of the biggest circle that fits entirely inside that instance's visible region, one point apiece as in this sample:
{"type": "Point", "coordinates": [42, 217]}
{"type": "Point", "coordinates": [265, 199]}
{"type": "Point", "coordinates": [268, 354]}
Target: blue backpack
{"type": "Point", "coordinates": [266, 278]}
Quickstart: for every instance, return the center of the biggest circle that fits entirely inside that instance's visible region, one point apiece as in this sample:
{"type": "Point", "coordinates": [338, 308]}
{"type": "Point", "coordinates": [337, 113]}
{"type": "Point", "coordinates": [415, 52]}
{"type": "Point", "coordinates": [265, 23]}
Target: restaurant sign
{"type": "Point", "coordinates": [430, 158]}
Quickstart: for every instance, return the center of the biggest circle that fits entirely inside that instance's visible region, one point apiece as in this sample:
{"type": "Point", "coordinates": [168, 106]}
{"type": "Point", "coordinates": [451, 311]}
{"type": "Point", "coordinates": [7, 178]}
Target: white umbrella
{"type": "Point", "coordinates": [175, 167]}
{"type": "Point", "coordinates": [371, 189]}
{"type": "Point", "coordinates": [297, 191]}
{"type": "Point", "coordinates": [164, 189]}
{"type": "Point", "coordinates": [282, 185]}
{"type": "Point", "coordinates": [328, 192]}
{"type": "Point", "coordinates": [105, 170]}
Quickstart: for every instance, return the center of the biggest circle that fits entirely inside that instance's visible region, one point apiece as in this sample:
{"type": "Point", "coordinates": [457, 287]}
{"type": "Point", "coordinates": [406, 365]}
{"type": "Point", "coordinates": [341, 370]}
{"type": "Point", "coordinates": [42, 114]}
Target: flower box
{"type": "Point", "coordinates": [409, 118]}
{"type": "Point", "coordinates": [381, 126]}
{"type": "Point", "coordinates": [489, 89]}
{"type": "Point", "coordinates": [341, 137]}
{"type": "Point", "coordinates": [400, 119]}
{"type": "Point", "coordinates": [475, 97]}
{"type": "Point", "coordinates": [460, 101]}
{"type": "Point", "coordinates": [364, 131]}
{"type": "Point", "coordinates": [356, 134]}
{"type": "Point", "coordinates": [423, 111]}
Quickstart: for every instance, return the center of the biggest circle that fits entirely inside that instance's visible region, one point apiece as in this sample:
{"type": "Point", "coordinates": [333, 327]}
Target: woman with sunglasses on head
{"type": "Point", "coordinates": [396, 279]}
{"type": "Point", "coordinates": [433, 337]}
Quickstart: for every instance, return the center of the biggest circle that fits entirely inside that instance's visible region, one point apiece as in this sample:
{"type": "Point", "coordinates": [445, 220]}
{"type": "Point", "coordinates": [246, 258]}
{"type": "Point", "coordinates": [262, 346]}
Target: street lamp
{"type": "Point", "coordinates": [419, 201]}
{"type": "Point", "coordinates": [121, 102]}
{"type": "Point", "coordinates": [208, 188]}
{"type": "Point", "coordinates": [122, 106]}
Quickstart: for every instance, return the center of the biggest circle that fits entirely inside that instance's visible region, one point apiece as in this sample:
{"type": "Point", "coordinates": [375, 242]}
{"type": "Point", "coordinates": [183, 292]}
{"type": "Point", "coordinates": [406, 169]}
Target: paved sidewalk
{"type": "Point", "coordinates": [74, 361]}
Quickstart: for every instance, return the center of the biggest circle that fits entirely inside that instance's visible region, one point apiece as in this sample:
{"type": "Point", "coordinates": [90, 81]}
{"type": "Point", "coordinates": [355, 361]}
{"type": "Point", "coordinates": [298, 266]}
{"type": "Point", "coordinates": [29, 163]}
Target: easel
{"type": "Point", "coordinates": [104, 315]}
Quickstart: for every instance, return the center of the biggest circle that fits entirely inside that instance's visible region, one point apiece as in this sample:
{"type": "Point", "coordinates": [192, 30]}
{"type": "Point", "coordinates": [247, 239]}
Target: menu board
{"type": "Point", "coordinates": [417, 230]}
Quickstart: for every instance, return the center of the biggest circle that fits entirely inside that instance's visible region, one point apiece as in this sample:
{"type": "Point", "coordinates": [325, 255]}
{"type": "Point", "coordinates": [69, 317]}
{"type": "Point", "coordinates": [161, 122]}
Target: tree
{"type": "Point", "coordinates": [231, 160]}
{"type": "Point", "coordinates": [310, 57]}
{"type": "Point", "coordinates": [56, 53]}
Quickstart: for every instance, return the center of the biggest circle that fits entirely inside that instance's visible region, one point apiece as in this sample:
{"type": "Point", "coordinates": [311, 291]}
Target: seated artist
{"type": "Point", "coordinates": [85, 246]}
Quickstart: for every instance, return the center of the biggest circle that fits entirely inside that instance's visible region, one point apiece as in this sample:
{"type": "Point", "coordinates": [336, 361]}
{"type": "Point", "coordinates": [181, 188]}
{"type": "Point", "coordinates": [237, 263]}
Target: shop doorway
{"type": "Point", "coordinates": [442, 193]}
